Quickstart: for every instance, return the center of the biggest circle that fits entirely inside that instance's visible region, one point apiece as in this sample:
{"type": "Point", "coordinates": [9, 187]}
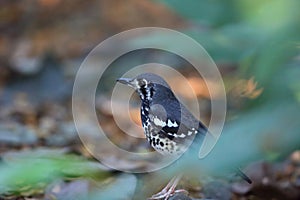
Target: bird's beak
{"type": "Point", "coordinates": [125, 81]}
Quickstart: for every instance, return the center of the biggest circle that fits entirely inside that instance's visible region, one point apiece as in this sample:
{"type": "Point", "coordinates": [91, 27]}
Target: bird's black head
{"type": "Point", "coordinates": [145, 84]}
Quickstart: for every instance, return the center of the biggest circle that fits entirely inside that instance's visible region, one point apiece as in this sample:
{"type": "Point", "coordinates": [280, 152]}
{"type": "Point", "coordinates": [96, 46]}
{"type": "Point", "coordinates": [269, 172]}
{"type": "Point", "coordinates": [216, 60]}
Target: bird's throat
{"type": "Point", "coordinates": [146, 93]}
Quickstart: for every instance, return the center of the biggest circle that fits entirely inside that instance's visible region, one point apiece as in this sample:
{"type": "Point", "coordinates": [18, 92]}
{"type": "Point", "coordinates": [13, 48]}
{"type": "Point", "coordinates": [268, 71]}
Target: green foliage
{"type": "Point", "coordinates": [35, 169]}
{"type": "Point", "coordinates": [212, 13]}
{"type": "Point", "coordinates": [261, 38]}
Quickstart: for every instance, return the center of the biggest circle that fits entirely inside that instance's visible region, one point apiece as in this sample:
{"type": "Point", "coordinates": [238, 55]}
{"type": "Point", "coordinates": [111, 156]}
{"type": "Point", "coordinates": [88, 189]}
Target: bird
{"type": "Point", "coordinates": [170, 128]}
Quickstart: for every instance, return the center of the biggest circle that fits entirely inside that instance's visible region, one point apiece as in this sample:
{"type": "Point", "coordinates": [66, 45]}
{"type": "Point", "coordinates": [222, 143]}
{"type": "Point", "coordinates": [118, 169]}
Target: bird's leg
{"type": "Point", "coordinates": [165, 190]}
{"type": "Point", "coordinates": [169, 190]}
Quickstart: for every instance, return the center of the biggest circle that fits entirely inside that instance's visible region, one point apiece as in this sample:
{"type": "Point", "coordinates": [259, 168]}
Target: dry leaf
{"type": "Point", "coordinates": [248, 89]}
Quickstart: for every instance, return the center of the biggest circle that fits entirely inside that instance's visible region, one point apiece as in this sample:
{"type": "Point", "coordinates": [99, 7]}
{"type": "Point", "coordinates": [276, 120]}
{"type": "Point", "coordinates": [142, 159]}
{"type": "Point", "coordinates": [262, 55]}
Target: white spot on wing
{"type": "Point", "coordinates": [171, 124]}
{"type": "Point", "coordinates": [159, 122]}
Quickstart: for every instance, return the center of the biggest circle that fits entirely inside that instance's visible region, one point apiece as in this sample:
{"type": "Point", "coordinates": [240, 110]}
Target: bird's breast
{"type": "Point", "coordinates": [158, 139]}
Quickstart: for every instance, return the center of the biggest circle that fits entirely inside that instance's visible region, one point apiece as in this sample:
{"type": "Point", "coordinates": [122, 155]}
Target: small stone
{"type": "Point", "coordinates": [15, 134]}
{"type": "Point", "coordinates": [217, 190]}
{"type": "Point", "coordinates": [180, 196]}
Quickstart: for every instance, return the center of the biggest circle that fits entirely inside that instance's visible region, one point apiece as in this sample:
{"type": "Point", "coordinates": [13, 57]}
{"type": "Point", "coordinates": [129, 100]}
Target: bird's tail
{"type": "Point", "coordinates": [243, 175]}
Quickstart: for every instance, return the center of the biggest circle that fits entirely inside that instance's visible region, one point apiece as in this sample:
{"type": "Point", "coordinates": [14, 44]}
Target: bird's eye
{"type": "Point", "coordinates": [142, 82]}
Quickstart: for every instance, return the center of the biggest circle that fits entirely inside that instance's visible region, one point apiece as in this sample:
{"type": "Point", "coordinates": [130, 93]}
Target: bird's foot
{"type": "Point", "coordinates": [167, 194]}
{"type": "Point", "coordinates": [169, 190]}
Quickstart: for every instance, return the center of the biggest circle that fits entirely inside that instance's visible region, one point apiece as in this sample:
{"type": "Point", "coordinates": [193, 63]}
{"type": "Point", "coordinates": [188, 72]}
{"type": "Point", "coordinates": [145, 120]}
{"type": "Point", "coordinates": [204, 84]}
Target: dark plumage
{"type": "Point", "coordinates": [169, 127]}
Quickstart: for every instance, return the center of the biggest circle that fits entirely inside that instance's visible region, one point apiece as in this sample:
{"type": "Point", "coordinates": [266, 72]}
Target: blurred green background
{"type": "Point", "coordinates": [255, 44]}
